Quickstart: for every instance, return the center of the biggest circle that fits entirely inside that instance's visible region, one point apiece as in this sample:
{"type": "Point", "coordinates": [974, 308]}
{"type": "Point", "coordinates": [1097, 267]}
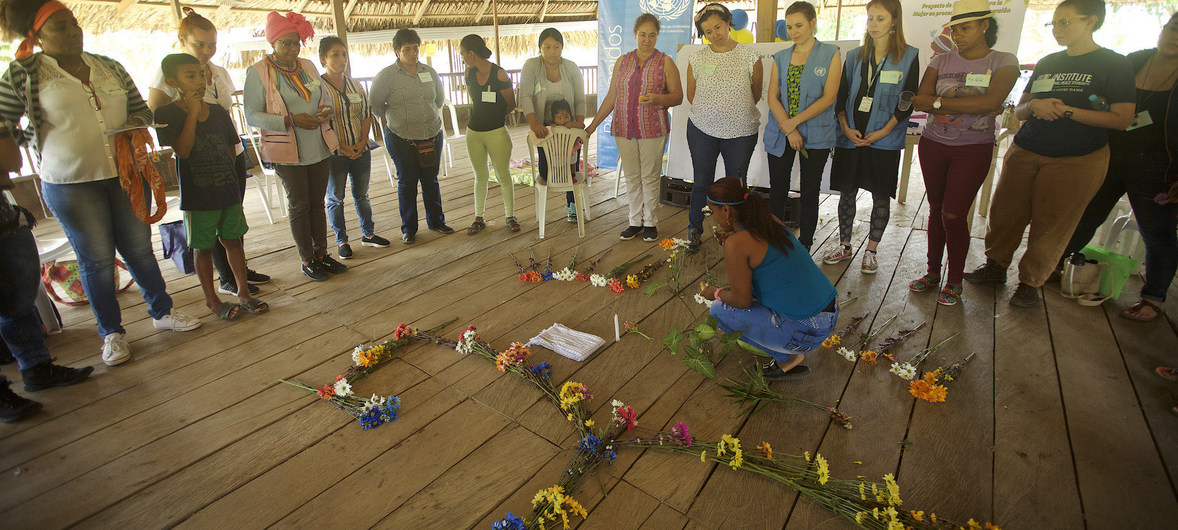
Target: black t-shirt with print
{"type": "Point", "coordinates": [1073, 79]}
{"type": "Point", "coordinates": [208, 177]}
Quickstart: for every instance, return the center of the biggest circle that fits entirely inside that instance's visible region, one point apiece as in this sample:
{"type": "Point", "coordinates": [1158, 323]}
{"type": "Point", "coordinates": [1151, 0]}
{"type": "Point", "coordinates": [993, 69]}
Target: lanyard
{"type": "Point", "coordinates": [878, 70]}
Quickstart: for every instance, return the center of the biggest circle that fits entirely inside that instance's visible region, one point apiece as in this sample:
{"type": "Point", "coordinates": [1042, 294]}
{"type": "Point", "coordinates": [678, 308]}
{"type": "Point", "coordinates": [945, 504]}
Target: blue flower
{"type": "Point", "coordinates": [511, 522]}
{"type": "Point", "coordinates": [371, 419]}
{"type": "Point", "coordinates": [589, 445]}
{"type": "Point", "coordinates": [611, 456]}
{"type": "Point", "coordinates": [542, 370]}
{"type": "Point", "coordinates": [547, 276]}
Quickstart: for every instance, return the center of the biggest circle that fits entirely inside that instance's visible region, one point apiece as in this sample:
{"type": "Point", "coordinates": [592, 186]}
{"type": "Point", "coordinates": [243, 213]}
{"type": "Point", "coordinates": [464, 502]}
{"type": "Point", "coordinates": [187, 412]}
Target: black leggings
{"type": "Point", "coordinates": [880, 211]}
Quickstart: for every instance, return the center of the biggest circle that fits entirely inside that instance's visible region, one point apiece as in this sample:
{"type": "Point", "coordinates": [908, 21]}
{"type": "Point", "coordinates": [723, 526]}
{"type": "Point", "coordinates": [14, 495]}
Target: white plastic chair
{"type": "Point", "coordinates": [560, 146]}
{"type": "Point", "coordinates": [265, 179]}
{"type": "Point", "coordinates": [448, 142]}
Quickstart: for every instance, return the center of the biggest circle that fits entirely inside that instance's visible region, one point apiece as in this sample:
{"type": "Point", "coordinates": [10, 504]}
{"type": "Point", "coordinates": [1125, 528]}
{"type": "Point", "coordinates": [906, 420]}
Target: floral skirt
{"type": "Point", "coordinates": [772, 333]}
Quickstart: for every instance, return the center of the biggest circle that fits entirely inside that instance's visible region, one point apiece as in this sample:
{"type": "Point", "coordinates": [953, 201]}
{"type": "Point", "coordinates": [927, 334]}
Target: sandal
{"type": "Point", "coordinates": [924, 283]}
{"type": "Point", "coordinates": [512, 224]}
{"type": "Point", "coordinates": [255, 306]}
{"type": "Point", "coordinates": [950, 295]}
{"type": "Point", "coordinates": [1167, 373]}
{"type": "Point", "coordinates": [1132, 312]}
{"type": "Point", "coordinates": [228, 311]}
{"type": "Point", "coordinates": [772, 372]}
{"type": "Point", "coordinates": [476, 227]}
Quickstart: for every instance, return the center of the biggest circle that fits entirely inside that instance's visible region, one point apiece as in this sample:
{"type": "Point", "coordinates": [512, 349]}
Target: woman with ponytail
{"type": "Point", "coordinates": [777, 298]}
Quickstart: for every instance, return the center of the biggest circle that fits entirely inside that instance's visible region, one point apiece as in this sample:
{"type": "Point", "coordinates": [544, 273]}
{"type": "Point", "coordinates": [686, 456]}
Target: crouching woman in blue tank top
{"type": "Point", "coordinates": [777, 298]}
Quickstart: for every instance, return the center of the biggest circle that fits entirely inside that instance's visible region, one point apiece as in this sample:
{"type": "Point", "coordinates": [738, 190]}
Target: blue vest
{"type": "Point", "coordinates": [886, 96]}
{"type": "Point", "coordinates": [818, 132]}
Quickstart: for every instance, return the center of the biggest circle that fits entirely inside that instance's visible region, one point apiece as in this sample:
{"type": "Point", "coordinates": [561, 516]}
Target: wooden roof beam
{"type": "Point", "coordinates": [420, 11]}
{"type": "Point", "coordinates": [482, 11]}
{"type": "Point", "coordinates": [124, 4]}
{"type": "Point", "coordinates": [302, 5]}
{"type": "Point", "coordinates": [544, 11]}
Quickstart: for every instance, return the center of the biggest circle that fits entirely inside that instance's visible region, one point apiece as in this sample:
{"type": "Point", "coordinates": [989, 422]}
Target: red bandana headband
{"type": "Point", "coordinates": [26, 47]}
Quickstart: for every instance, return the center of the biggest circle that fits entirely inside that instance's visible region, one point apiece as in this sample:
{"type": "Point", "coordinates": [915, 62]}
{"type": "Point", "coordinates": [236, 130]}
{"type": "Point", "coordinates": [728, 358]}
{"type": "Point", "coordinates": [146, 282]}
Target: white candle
{"type": "Point", "coordinates": [617, 330]}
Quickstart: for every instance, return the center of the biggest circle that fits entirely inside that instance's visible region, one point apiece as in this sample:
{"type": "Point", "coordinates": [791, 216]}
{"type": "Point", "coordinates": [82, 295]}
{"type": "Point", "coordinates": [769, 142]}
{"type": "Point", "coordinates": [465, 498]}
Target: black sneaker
{"type": "Point", "coordinates": [773, 372]}
{"type": "Point", "coordinates": [253, 277]}
{"type": "Point", "coordinates": [444, 229]}
{"type": "Point", "coordinates": [345, 251]}
{"type": "Point", "coordinates": [374, 241]}
{"type": "Point", "coordinates": [991, 272]}
{"type": "Point", "coordinates": [650, 233]}
{"type": "Point", "coordinates": [1025, 296]}
{"type": "Point", "coordinates": [694, 240]}
{"type": "Point", "coordinates": [49, 375]}
{"type": "Point", "coordinates": [12, 406]}
{"type": "Point", "coordinates": [408, 239]}
{"type": "Point", "coordinates": [315, 271]}
{"type": "Point", "coordinates": [629, 233]}
{"type": "Point", "coordinates": [230, 288]}
{"type": "Point", "coordinates": [332, 265]}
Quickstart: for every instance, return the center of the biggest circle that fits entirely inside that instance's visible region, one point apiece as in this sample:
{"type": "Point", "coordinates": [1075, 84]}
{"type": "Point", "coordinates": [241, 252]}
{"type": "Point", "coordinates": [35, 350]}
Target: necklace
{"type": "Point", "coordinates": [1142, 101]}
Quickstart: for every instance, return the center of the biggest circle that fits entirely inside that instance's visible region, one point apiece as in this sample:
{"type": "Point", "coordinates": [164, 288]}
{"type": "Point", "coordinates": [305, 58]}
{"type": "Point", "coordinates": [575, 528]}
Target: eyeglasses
{"type": "Point", "coordinates": [1063, 22]}
{"type": "Point", "coordinates": [94, 102]}
{"type": "Point", "coordinates": [289, 43]}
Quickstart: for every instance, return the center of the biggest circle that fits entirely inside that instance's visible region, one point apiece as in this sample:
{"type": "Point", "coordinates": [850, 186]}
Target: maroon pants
{"type": "Point", "coordinates": [952, 176]}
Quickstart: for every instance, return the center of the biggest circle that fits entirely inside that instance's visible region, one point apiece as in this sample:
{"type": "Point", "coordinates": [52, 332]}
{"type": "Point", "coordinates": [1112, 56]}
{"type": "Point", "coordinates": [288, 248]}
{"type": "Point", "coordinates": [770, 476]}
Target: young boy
{"type": "Point", "coordinates": [202, 137]}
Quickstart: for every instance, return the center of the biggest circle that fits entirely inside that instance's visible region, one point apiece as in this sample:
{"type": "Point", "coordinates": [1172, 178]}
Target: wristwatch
{"type": "Point", "coordinates": [937, 103]}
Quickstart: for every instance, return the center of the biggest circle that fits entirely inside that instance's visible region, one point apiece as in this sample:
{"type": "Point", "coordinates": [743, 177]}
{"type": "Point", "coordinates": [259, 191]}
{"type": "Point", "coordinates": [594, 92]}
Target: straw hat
{"type": "Point", "coordinates": [969, 10]}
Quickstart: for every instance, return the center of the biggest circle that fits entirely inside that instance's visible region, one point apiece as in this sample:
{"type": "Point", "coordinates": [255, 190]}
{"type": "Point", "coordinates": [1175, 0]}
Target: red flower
{"type": "Point", "coordinates": [581, 277]}
{"type": "Point", "coordinates": [326, 392]}
{"type": "Point", "coordinates": [402, 330]}
{"type": "Point", "coordinates": [616, 286]}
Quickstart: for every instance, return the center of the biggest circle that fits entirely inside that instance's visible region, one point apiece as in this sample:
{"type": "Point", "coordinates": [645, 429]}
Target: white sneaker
{"type": "Point", "coordinates": [869, 265]}
{"type": "Point", "coordinates": [177, 321]}
{"type": "Point", "coordinates": [115, 350]}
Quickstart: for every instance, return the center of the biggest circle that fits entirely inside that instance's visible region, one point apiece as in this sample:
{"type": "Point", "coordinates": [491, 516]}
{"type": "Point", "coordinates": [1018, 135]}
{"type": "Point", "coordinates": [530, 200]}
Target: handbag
{"type": "Point", "coordinates": [1120, 267]}
{"type": "Point", "coordinates": [63, 281]}
{"type": "Point", "coordinates": [1081, 279]}
{"type": "Point", "coordinates": [427, 153]}
{"type": "Point", "coordinates": [175, 246]}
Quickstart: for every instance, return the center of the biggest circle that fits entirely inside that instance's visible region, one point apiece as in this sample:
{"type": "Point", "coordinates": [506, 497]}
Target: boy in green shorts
{"type": "Point", "coordinates": [202, 137]}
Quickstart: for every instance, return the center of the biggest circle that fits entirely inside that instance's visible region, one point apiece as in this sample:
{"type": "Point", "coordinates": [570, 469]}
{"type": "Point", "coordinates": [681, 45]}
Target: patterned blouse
{"type": "Point", "coordinates": [793, 81]}
{"type": "Point", "coordinates": [350, 109]}
{"type": "Point", "coordinates": [632, 120]}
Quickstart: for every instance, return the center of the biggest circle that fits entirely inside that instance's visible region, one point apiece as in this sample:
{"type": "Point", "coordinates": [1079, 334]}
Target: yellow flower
{"type": "Point", "coordinates": [831, 341]}
{"type": "Point", "coordinates": [632, 281]}
{"type": "Point", "coordinates": [875, 513]}
{"type": "Point", "coordinates": [767, 449]}
{"type": "Point", "coordinates": [973, 525]}
{"type": "Point", "coordinates": [893, 490]}
{"type": "Point", "coordinates": [932, 517]}
{"type": "Point", "coordinates": [588, 423]}
{"type": "Point", "coordinates": [859, 517]}
{"type": "Point", "coordinates": [990, 526]}
{"type": "Point", "coordinates": [729, 442]}
{"type": "Point", "coordinates": [823, 470]}
{"type": "Point", "coordinates": [917, 516]}
{"type": "Point", "coordinates": [863, 495]}
{"type": "Point", "coordinates": [703, 456]}
{"type": "Point", "coordinates": [570, 416]}
{"type": "Point", "coordinates": [807, 455]}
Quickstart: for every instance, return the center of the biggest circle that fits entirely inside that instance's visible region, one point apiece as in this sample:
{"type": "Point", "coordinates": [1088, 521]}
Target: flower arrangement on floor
{"type": "Point", "coordinates": [754, 392]}
{"type": "Point", "coordinates": [615, 279]}
{"type": "Point", "coordinates": [934, 386]}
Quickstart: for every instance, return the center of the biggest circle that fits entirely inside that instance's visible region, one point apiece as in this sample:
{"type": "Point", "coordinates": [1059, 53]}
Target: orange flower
{"type": "Point", "coordinates": [513, 355]}
{"type": "Point", "coordinates": [767, 449]}
{"type": "Point", "coordinates": [870, 356]}
{"type": "Point", "coordinates": [667, 244]}
{"type": "Point", "coordinates": [928, 389]}
{"type": "Point", "coordinates": [326, 391]}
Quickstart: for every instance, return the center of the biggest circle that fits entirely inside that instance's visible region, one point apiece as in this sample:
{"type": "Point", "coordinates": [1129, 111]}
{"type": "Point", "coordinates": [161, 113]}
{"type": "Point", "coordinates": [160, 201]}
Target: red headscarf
{"type": "Point", "coordinates": [278, 25]}
{"type": "Point", "coordinates": [26, 47]}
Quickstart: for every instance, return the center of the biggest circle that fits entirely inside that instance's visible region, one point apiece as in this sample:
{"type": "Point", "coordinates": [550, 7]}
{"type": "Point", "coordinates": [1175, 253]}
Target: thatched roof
{"type": "Point", "coordinates": [98, 16]}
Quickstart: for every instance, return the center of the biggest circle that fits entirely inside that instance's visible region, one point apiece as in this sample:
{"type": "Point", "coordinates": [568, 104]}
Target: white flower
{"type": "Point", "coordinates": [372, 403]}
{"type": "Point", "coordinates": [848, 354]}
{"type": "Point", "coordinates": [699, 299]}
{"type": "Point", "coordinates": [565, 275]}
{"type": "Point", "coordinates": [598, 280]}
{"type": "Point", "coordinates": [904, 371]}
{"type": "Point", "coordinates": [342, 388]}
{"type": "Point", "coordinates": [617, 404]}
{"type": "Point", "coordinates": [356, 354]}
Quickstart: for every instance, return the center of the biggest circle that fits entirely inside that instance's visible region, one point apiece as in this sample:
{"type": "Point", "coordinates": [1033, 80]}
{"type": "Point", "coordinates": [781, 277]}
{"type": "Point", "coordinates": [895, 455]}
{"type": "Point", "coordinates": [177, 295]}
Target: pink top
{"type": "Point", "coordinates": [631, 120]}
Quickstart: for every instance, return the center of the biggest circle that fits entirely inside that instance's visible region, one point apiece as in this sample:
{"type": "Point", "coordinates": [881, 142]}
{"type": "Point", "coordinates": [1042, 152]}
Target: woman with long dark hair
{"type": "Point", "coordinates": [778, 299]}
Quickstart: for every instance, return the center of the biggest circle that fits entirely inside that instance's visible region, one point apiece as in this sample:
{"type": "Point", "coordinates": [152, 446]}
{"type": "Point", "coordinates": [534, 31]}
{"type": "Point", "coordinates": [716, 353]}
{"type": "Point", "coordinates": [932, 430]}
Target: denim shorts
{"type": "Point", "coordinates": [772, 333]}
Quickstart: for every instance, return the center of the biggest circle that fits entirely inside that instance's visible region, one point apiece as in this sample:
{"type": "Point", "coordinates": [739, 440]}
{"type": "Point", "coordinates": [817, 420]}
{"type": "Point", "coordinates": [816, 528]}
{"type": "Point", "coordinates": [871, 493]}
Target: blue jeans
{"type": "Point", "coordinates": [705, 149]}
{"type": "Point", "coordinates": [20, 326]}
{"type": "Point", "coordinates": [410, 172]}
{"type": "Point", "coordinates": [98, 220]}
{"type": "Point", "coordinates": [360, 170]}
{"type": "Point", "coordinates": [1143, 177]}
{"type": "Point", "coordinates": [772, 333]}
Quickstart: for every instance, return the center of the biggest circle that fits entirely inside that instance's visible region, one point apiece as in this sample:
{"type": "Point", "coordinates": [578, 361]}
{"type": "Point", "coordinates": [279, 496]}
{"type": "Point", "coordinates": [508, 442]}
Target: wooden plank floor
{"type": "Point", "coordinates": [1059, 421]}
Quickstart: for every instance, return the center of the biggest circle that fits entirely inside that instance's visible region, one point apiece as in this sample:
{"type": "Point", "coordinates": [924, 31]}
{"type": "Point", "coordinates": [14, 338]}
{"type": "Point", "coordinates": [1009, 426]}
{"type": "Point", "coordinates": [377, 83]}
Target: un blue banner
{"type": "Point", "coordinates": [615, 37]}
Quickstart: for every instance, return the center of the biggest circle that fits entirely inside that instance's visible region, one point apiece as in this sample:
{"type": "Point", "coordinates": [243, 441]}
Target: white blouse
{"type": "Point", "coordinates": [723, 106]}
{"type": "Point", "coordinates": [74, 146]}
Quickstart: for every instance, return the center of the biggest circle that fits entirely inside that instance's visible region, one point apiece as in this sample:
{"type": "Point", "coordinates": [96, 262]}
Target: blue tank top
{"type": "Point", "coordinates": [792, 285]}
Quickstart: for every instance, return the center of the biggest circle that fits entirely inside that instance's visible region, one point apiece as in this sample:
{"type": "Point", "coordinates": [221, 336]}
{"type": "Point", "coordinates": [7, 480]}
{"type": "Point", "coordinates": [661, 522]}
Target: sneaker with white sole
{"type": "Point", "coordinates": [115, 350]}
{"type": "Point", "coordinates": [176, 321]}
{"type": "Point", "coordinates": [869, 264]}
{"type": "Point", "coordinates": [839, 254]}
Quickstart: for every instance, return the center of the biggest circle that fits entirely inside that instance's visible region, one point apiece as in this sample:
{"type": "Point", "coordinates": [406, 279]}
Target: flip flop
{"type": "Point", "coordinates": [774, 372]}
{"type": "Point", "coordinates": [512, 224]}
{"type": "Point", "coordinates": [1167, 373]}
{"type": "Point", "coordinates": [255, 306]}
{"type": "Point", "coordinates": [1129, 312]}
{"type": "Point", "coordinates": [475, 228]}
{"type": "Point", "coordinates": [223, 312]}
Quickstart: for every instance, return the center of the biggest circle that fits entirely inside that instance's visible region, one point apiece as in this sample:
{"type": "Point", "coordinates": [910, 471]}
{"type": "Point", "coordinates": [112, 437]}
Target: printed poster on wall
{"type": "Point", "coordinates": [923, 23]}
{"type": "Point", "coordinates": [615, 38]}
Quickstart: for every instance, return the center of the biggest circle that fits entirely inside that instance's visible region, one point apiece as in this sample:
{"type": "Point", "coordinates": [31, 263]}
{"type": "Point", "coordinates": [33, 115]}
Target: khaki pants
{"type": "Point", "coordinates": [642, 163]}
{"type": "Point", "coordinates": [1048, 193]}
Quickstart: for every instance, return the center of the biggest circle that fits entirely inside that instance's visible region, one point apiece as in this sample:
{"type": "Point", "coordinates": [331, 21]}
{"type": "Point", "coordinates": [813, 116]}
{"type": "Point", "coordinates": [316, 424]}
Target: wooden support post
{"type": "Point", "coordinates": [838, 19]}
{"type": "Point", "coordinates": [495, 16]}
{"type": "Point", "coordinates": [177, 11]}
{"type": "Point", "coordinates": [340, 20]}
{"type": "Point", "coordinates": [766, 20]}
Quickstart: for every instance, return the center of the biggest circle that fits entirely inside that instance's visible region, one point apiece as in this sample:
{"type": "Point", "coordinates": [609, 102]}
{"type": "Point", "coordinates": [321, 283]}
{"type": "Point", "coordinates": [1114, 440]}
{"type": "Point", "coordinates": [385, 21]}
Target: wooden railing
{"type": "Point", "coordinates": [454, 85]}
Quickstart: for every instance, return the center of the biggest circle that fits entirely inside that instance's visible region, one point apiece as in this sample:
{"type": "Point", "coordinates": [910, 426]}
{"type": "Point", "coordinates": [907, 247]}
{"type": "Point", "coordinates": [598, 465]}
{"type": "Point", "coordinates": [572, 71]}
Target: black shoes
{"type": "Point", "coordinates": [345, 251]}
{"type": "Point", "coordinates": [230, 288]}
{"type": "Point", "coordinates": [629, 233]}
{"type": "Point", "coordinates": [694, 240]}
{"type": "Point", "coordinates": [253, 277]}
{"type": "Point", "coordinates": [408, 239]}
{"type": "Point", "coordinates": [374, 241]}
{"type": "Point", "coordinates": [650, 233]}
{"type": "Point", "coordinates": [1025, 296]}
{"type": "Point", "coordinates": [12, 406]}
{"type": "Point", "coordinates": [991, 272]}
{"type": "Point", "coordinates": [444, 229]}
{"type": "Point", "coordinates": [49, 375]}
{"type": "Point", "coordinates": [315, 271]}
{"type": "Point", "coordinates": [332, 265]}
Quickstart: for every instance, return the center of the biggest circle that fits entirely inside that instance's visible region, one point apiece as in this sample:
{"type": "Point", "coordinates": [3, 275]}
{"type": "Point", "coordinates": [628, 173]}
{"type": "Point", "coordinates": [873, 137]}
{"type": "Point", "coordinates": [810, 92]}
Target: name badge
{"type": "Point", "coordinates": [982, 80]}
{"type": "Point", "coordinates": [539, 88]}
{"type": "Point", "coordinates": [111, 90]}
{"type": "Point", "coordinates": [1042, 85]}
{"type": "Point", "coordinates": [890, 77]}
{"type": "Point", "coordinates": [313, 85]}
{"type": "Point", "coordinates": [488, 97]}
{"type": "Point", "coordinates": [865, 104]}
{"type": "Point", "coordinates": [707, 69]}
{"type": "Point", "coordinates": [425, 77]}
{"type": "Point", "coordinates": [1142, 119]}
{"type": "Point", "coordinates": [354, 98]}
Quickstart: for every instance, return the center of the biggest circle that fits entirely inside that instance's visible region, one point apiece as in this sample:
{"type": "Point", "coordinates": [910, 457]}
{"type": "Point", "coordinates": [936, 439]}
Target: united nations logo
{"type": "Point", "coordinates": [819, 71]}
{"type": "Point", "coordinates": [664, 9]}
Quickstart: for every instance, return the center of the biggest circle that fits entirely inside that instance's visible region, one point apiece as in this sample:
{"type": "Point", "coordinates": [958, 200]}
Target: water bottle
{"type": "Point", "coordinates": [1098, 103]}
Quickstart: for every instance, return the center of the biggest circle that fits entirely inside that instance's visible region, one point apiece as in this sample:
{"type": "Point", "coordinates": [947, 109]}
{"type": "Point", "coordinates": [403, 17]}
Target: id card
{"type": "Point", "coordinates": [707, 69]}
{"type": "Point", "coordinates": [1042, 85]}
{"type": "Point", "coordinates": [865, 104]}
{"type": "Point", "coordinates": [1142, 119]}
{"type": "Point", "coordinates": [425, 77]}
{"type": "Point", "coordinates": [980, 80]}
{"type": "Point", "coordinates": [313, 85]}
{"type": "Point", "coordinates": [354, 98]}
{"type": "Point", "coordinates": [488, 97]}
{"type": "Point", "coordinates": [891, 77]}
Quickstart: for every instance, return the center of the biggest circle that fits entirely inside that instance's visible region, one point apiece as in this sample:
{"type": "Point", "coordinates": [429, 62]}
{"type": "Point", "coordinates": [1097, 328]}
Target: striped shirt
{"type": "Point", "coordinates": [350, 110]}
{"type": "Point", "coordinates": [632, 120]}
{"type": "Point", "coordinates": [410, 104]}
